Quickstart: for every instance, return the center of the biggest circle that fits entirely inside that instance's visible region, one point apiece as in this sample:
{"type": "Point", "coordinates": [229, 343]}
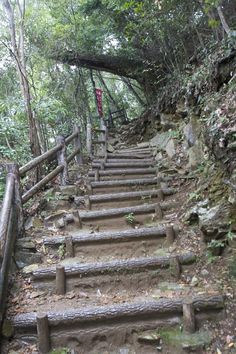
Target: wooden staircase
{"type": "Point", "coordinates": [118, 249]}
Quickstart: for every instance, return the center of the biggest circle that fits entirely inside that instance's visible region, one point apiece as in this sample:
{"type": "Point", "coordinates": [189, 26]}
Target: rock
{"type": "Point", "coordinates": [24, 258]}
{"type": "Point", "coordinates": [194, 281]}
{"type": "Point", "coordinates": [25, 243]}
{"type": "Point", "coordinates": [195, 154]}
{"type": "Point", "coordinates": [60, 223]}
{"type": "Point", "coordinates": [192, 131]}
{"type": "Point", "coordinates": [167, 121]}
{"type": "Point", "coordinates": [30, 268]}
{"type": "Point", "coordinates": [110, 148]}
{"type": "Point", "coordinates": [232, 146]}
{"type": "Point", "coordinates": [161, 140]}
{"type": "Point", "coordinates": [170, 148]}
{"type": "Point", "coordinates": [33, 222]}
{"type": "Point", "coordinates": [143, 145]}
{"type": "Point", "coordinates": [204, 272]}
{"type": "Point", "coordinates": [7, 329]}
{"type": "Point", "coordinates": [149, 337]}
{"type": "Point", "coordinates": [181, 109]}
{"type": "Point", "coordinates": [192, 215]}
{"type": "Point", "coordinates": [214, 223]}
{"type": "Point", "coordinates": [159, 156]}
{"type": "Point", "coordinates": [68, 190]}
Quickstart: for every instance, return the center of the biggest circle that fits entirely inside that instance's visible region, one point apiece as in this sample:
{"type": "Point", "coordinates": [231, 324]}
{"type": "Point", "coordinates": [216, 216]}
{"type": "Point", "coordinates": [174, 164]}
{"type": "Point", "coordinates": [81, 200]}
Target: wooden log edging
{"type": "Point", "coordinates": [108, 165]}
{"type": "Point", "coordinates": [117, 267]}
{"type": "Point", "coordinates": [127, 156]}
{"type": "Point", "coordinates": [119, 212]}
{"type": "Point", "coordinates": [125, 182]}
{"type": "Point", "coordinates": [30, 193]}
{"type": "Point", "coordinates": [134, 171]}
{"type": "Point", "coordinates": [115, 236]}
{"type": "Point", "coordinates": [121, 312]}
{"type": "Point", "coordinates": [122, 196]}
{"type": "Point", "coordinates": [127, 161]}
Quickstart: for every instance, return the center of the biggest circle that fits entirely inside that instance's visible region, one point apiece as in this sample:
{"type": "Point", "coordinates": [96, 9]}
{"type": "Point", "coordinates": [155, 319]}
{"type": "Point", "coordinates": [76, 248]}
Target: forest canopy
{"type": "Point", "coordinates": [53, 53]}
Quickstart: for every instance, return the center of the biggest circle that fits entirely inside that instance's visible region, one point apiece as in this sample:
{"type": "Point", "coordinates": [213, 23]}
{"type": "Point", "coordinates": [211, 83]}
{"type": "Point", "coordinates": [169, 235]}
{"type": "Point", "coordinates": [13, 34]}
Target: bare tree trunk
{"type": "Point", "coordinates": [223, 21]}
{"type": "Point", "coordinates": [19, 56]}
{"type": "Point", "coordinates": [107, 90]}
{"type": "Point", "coordinates": [134, 92]}
{"type": "Point", "coordinates": [94, 89]}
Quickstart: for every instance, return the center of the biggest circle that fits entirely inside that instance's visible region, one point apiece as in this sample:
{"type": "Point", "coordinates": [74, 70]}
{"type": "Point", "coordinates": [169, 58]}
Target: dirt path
{"type": "Point", "coordinates": [112, 271]}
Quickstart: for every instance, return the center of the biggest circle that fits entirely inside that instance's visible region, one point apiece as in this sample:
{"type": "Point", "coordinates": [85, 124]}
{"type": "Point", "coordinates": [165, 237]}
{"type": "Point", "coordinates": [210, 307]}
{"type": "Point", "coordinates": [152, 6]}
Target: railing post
{"type": "Point", "coordinates": [62, 161]}
{"type": "Point", "coordinates": [89, 139]}
{"type": "Point", "coordinates": [79, 156]}
{"type": "Point", "coordinates": [104, 137]}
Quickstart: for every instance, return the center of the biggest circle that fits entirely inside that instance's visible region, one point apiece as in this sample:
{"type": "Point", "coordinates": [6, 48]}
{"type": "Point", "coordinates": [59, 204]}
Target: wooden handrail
{"type": "Point", "coordinates": [71, 137]}
{"type": "Point", "coordinates": [39, 159]}
{"type": "Point", "coordinates": [11, 216]}
{"type": "Point", "coordinates": [6, 210]}
{"type": "Point", "coordinates": [71, 156]}
{"type": "Point", "coordinates": [30, 193]}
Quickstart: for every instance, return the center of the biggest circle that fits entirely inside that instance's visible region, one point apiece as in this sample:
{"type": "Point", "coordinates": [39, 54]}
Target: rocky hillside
{"type": "Point", "coordinates": [193, 122]}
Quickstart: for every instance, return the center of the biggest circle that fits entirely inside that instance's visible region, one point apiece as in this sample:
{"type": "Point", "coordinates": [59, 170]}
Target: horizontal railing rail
{"type": "Point", "coordinates": [11, 216]}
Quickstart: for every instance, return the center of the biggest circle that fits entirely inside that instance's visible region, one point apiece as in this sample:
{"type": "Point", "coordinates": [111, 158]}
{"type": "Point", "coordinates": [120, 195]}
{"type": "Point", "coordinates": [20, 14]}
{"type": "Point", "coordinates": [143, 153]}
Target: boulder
{"type": "Point", "coordinates": [170, 148]}
{"type": "Point", "coordinates": [167, 121]}
{"type": "Point", "coordinates": [195, 154]}
{"type": "Point", "coordinates": [110, 148]}
{"type": "Point", "coordinates": [161, 140]}
{"type": "Point", "coordinates": [214, 223]}
{"type": "Point", "coordinates": [192, 131]}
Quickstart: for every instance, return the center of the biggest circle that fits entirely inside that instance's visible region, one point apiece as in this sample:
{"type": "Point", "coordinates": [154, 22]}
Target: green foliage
{"type": "Point", "coordinates": [2, 182]}
{"type": "Point", "coordinates": [130, 218]}
{"type": "Point", "coordinates": [214, 247]}
{"type": "Point", "coordinates": [61, 251]}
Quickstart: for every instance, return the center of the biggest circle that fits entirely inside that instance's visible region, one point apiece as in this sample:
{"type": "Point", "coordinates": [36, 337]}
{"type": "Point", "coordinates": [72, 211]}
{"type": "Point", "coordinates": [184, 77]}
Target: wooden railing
{"type": "Point", "coordinates": [97, 137]}
{"type": "Point", "coordinates": [11, 216]}
{"type": "Point", "coordinates": [120, 115]}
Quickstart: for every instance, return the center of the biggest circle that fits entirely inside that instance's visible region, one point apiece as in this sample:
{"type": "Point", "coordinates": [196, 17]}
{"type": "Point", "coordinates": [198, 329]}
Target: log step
{"type": "Point", "coordinates": [122, 196]}
{"type": "Point", "coordinates": [120, 212]}
{"type": "Point", "coordinates": [140, 164]}
{"type": "Point", "coordinates": [82, 318]}
{"type": "Point", "coordinates": [109, 237]}
{"type": "Point", "coordinates": [128, 171]}
{"type": "Point", "coordinates": [117, 267]}
{"type": "Point", "coordinates": [125, 182]}
{"type": "Point", "coordinates": [128, 156]}
{"type": "Point", "coordinates": [130, 160]}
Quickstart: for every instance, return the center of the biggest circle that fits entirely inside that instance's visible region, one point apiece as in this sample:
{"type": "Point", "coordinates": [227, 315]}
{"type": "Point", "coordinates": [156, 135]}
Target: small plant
{"type": "Point", "coordinates": [215, 247]}
{"type": "Point", "coordinates": [194, 196]}
{"type": "Point", "coordinates": [130, 218]}
{"type": "Point", "coordinates": [61, 251]}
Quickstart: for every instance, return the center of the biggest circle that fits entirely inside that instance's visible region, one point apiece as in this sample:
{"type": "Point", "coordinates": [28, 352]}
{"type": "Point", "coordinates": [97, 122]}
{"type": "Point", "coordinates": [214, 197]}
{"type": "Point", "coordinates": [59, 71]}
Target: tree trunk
{"type": "Point", "coordinates": [19, 56]}
{"type": "Point", "coordinates": [133, 91]}
{"type": "Point", "coordinates": [223, 21]}
{"type": "Point", "coordinates": [107, 90]}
